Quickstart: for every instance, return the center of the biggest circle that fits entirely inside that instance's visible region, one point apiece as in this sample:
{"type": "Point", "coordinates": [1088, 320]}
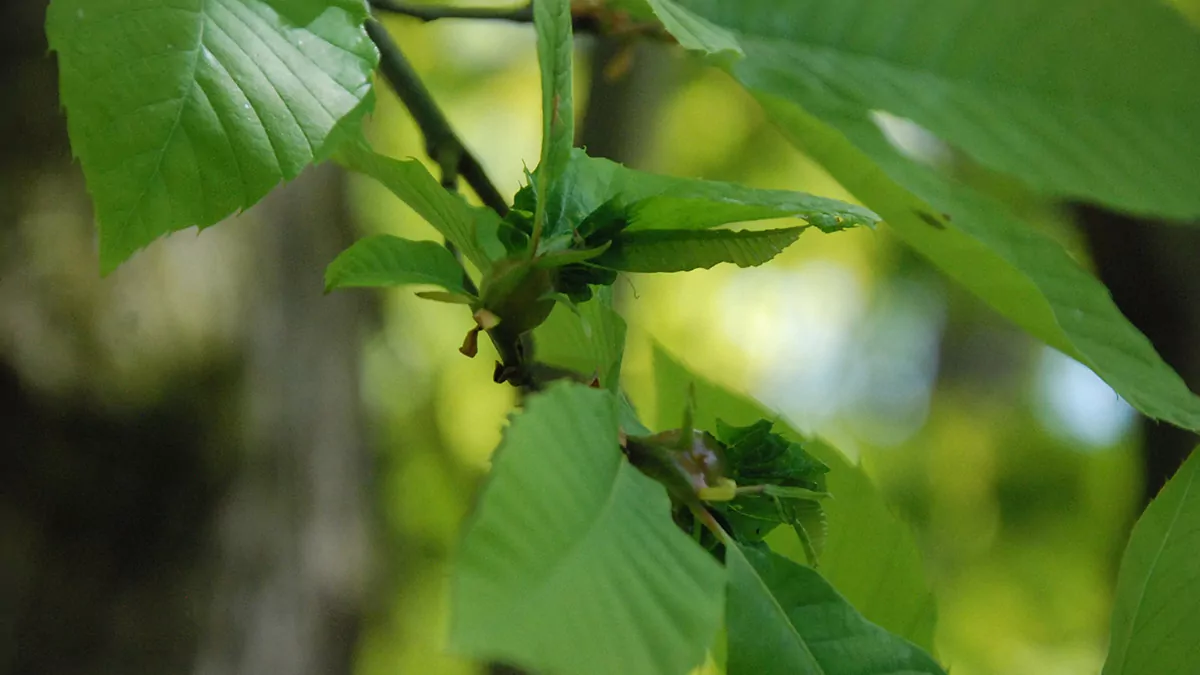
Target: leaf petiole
{"type": "Point", "coordinates": [781, 492]}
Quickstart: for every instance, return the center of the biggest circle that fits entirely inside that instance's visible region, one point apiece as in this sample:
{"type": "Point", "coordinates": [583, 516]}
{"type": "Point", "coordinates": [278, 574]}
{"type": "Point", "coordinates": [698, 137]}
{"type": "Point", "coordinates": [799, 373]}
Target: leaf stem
{"type": "Point", "coordinates": [449, 169]}
{"type": "Point", "coordinates": [751, 489]}
{"type": "Point", "coordinates": [702, 515]}
{"type": "Point", "coordinates": [522, 14]}
{"type": "Point", "coordinates": [467, 282]}
{"type": "Point", "coordinates": [781, 492]}
{"type": "Point", "coordinates": [441, 143]}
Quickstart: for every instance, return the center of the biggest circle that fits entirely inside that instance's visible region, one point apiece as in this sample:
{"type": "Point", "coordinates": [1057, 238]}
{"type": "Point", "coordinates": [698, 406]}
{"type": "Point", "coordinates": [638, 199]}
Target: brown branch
{"type": "Point", "coordinates": [441, 143]}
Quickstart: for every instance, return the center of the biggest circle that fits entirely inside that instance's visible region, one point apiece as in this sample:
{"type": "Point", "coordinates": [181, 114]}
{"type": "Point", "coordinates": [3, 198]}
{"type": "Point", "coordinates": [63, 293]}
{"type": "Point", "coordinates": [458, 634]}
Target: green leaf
{"type": "Point", "coordinates": [695, 32]}
{"type": "Point", "coordinates": [870, 555]}
{"type": "Point", "coordinates": [589, 342]}
{"type": "Point", "coordinates": [182, 113]}
{"type": "Point", "coordinates": [1022, 273]}
{"type": "Point", "coordinates": [571, 564]}
{"type": "Point", "coordinates": [570, 256]}
{"type": "Point", "coordinates": [384, 260]}
{"type": "Point", "coordinates": [784, 618]}
{"type": "Point", "coordinates": [758, 455]}
{"type": "Point", "coordinates": [304, 12]}
{"type": "Point", "coordinates": [653, 201]}
{"type": "Point", "coordinates": [460, 223]}
{"type": "Point", "coordinates": [555, 46]}
{"type": "Point", "coordinates": [1016, 269]}
{"type": "Point", "coordinates": [447, 298]}
{"type": "Point", "coordinates": [683, 250]}
{"type": "Point", "coordinates": [1106, 114]}
{"type": "Point", "coordinates": [1156, 618]}
{"type": "Point", "coordinates": [792, 480]}
{"type": "Point", "coordinates": [631, 423]}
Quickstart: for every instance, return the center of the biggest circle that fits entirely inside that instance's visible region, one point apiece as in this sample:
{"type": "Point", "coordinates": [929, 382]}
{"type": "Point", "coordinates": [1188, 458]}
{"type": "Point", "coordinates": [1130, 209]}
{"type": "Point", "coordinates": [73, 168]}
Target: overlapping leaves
{"type": "Point", "coordinates": [1103, 113]}
{"type": "Point", "coordinates": [869, 555]}
{"type": "Point", "coordinates": [589, 341]}
{"type": "Point", "coordinates": [1058, 118]}
{"type": "Point", "coordinates": [652, 201]}
{"type": "Point", "coordinates": [571, 563]}
{"type": "Point", "coordinates": [616, 219]}
{"type": "Point", "coordinates": [782, 617]}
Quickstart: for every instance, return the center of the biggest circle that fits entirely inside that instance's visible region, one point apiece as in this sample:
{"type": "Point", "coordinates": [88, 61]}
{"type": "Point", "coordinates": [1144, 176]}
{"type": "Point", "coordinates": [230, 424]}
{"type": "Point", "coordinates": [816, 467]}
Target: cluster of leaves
{"type": "Point", "coordinates": [524, 275]}
{"type": "Point", "coordinates": [526, 270]}
{"type": "Point", "coordinates": [785, 486]}
{"type": "Point", "coordinates": [572, 562]}
{"type": "Point", "coordinates": [752, 479]}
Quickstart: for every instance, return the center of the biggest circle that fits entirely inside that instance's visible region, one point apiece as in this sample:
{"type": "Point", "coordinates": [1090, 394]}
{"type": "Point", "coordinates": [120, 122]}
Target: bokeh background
{"type": "Point", "coordinates": [207, 465]}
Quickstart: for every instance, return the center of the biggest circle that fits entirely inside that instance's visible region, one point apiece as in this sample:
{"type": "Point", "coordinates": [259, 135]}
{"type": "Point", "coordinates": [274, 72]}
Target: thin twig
{"type": "Point", "coordinates": [582, 22]}
{"type": "Point", "coordinates": [450, 184]}
{"type": "Point", "coordinates": [442, 144]}
{"type": "Point", "coordinates": [523, 14]}
{"type": "Point", "coordinates": [702, 514]}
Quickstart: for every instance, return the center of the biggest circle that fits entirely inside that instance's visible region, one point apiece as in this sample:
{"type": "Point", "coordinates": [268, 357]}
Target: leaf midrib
{"type": "Point", "coordinates": [1137, 609]}
{"type": "Point", "coordinates": [201, 16]}
{"type": "Point", "coordinates": [775, 604]}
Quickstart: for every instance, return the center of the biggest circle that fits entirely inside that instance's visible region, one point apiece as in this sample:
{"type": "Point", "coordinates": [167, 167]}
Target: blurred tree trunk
{"type": "Point", "coordinates": [293, 529]}
{"type": "Point", "coordinates": [103, 508]}
{"type": "Point", "coordinates": [1150, 268]}
{"type": "Point", "coordinates": [627, 85]}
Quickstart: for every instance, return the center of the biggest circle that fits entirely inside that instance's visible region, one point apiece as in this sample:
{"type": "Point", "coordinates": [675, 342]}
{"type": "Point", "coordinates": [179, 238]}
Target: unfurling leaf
{"type": "Point", "coordinates": [616, 219]}
{"type": "Point", "coordinates": [555, 47]}
{"type": "Point", "coordinates": [653, 201]}
{"type": "Point", "coordinates": [683, 250]}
